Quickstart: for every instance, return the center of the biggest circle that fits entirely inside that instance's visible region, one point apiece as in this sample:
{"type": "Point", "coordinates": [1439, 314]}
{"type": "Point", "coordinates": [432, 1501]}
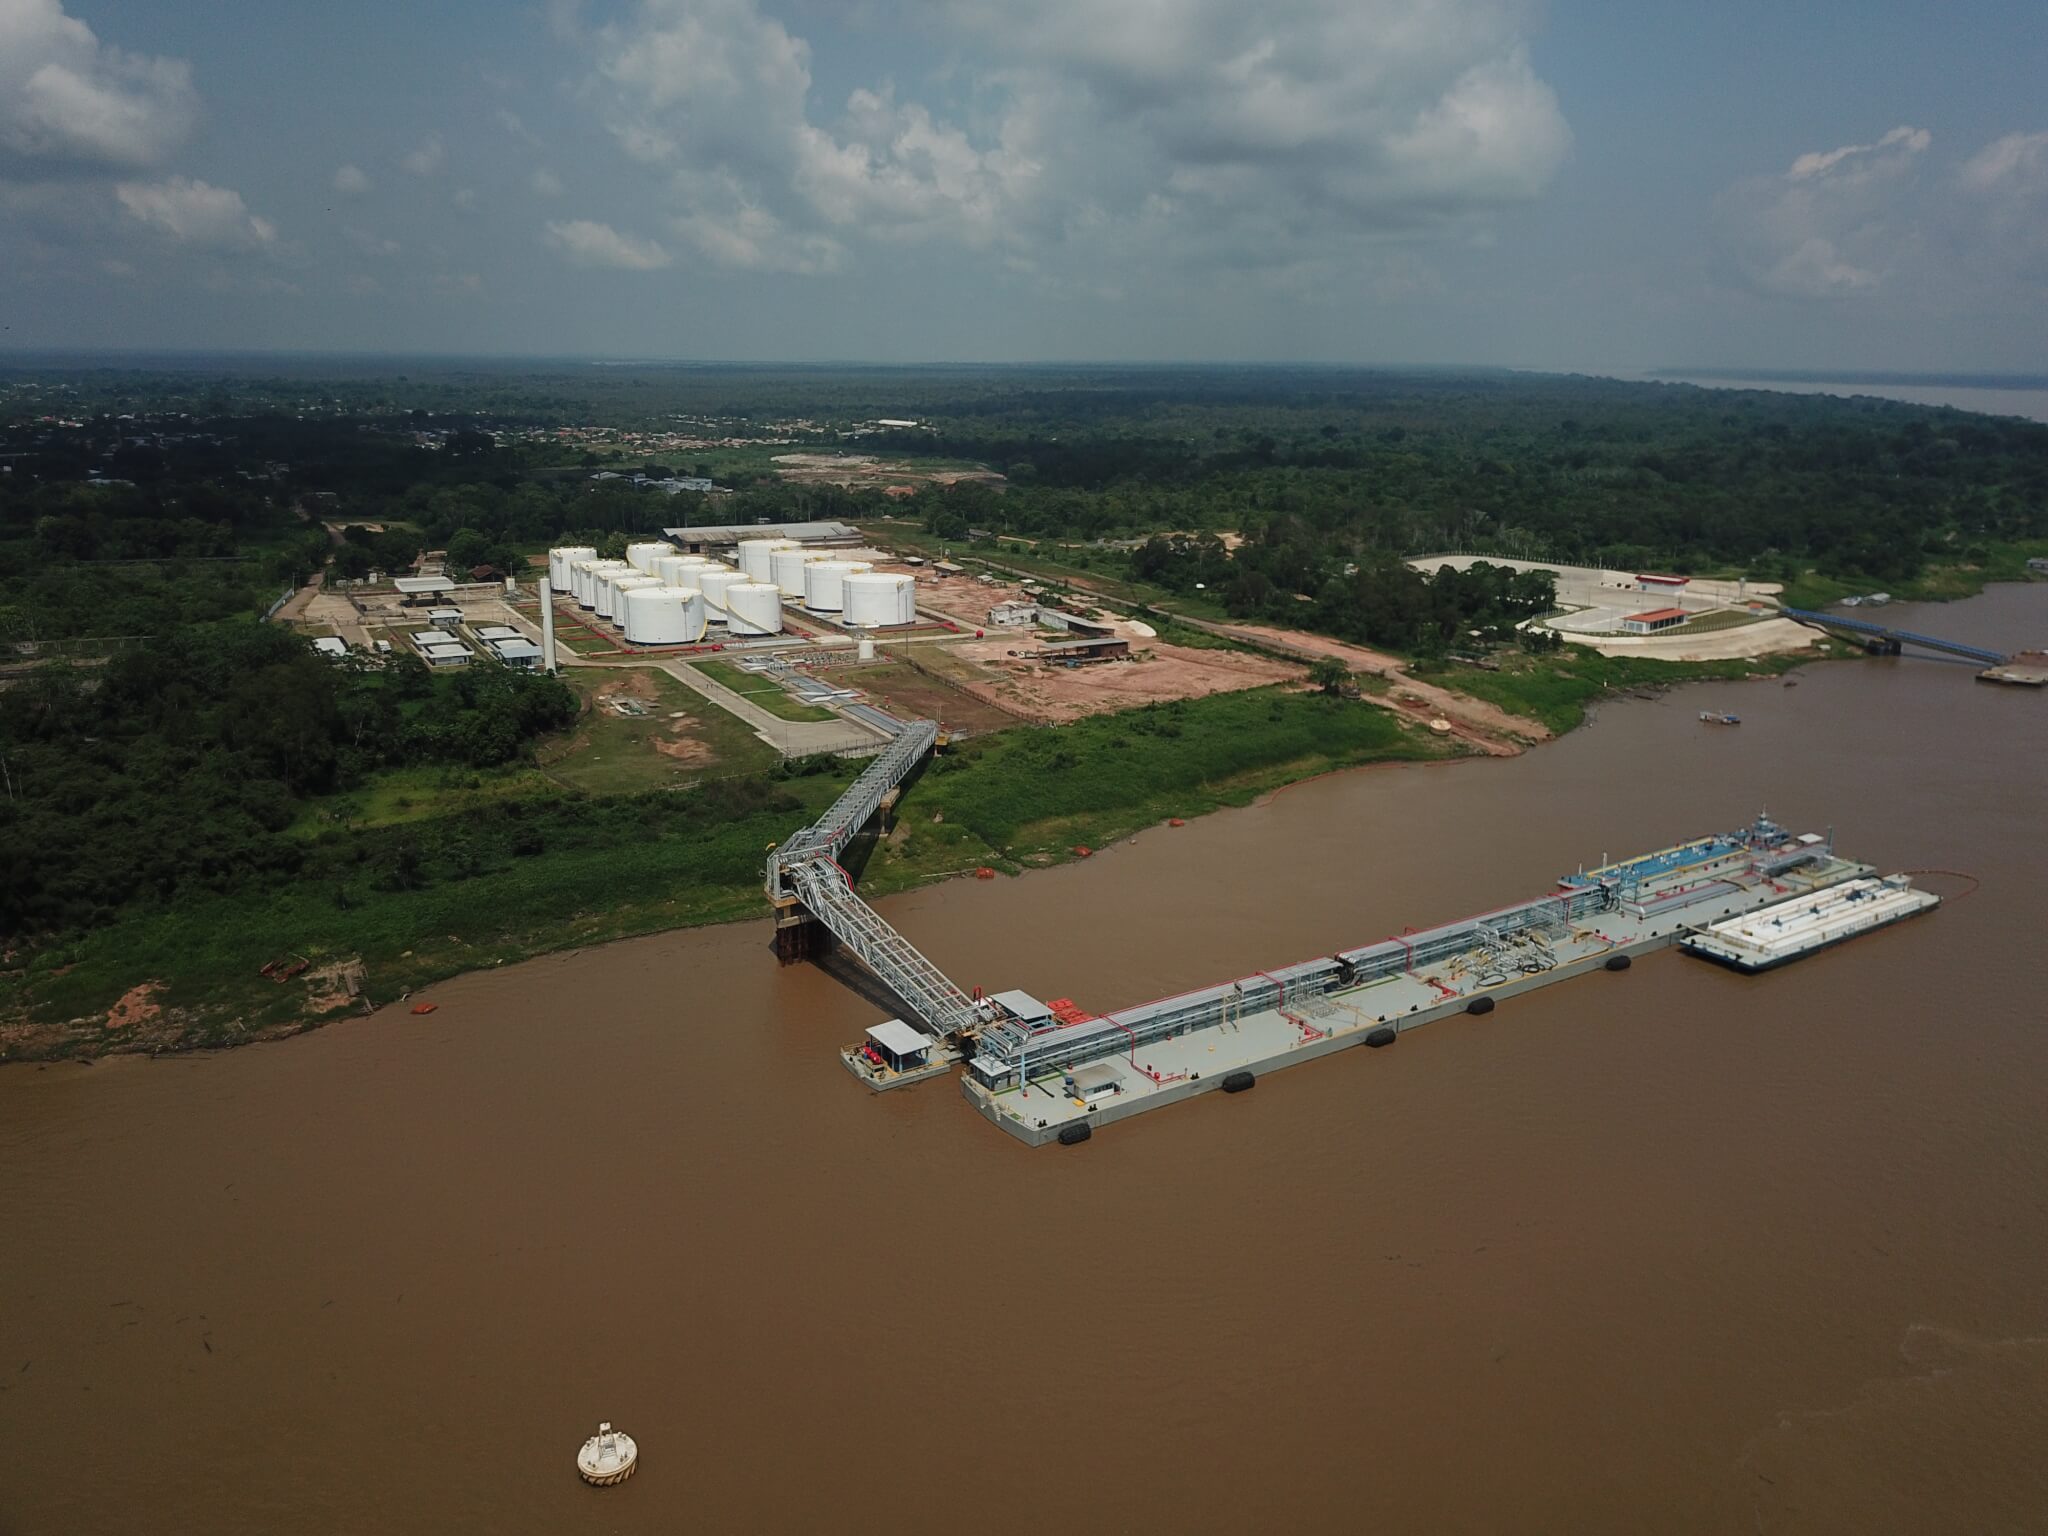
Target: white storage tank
{"type": "Point", "coordinates": [642, 556]}
{"type": "Point", "coordinates": [608, 585]}
{"type": "Point", "coordinates": [786, 568]}
{"type": "Point", "coordinates": [756, 555]}
{"type": "Point", "coordinates": [560, 560]}
{"type": "Point", "coordinates": [714, 585]}
{"type": "Point", "coordinates": [754, 607]}
{"type": "Point", "coordinates": [658, 615]}
{"type": "Point", "coordinates": [623, 583]}
{"type": "Point", "coordinates": [824, 583]}
{"type": "Point", "coordinates": [672, 568]}
{"type": "Point", "coordinates": [876, 599]}
{"type": "Point", "coordinates": [589, 571]}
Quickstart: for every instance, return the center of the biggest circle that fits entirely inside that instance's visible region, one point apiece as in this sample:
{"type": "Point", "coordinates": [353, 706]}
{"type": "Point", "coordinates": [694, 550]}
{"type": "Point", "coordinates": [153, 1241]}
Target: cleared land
{"type": "Point", "coordinates": [643, 730]}
{"type": "Point", "coordinates": [762, 691]}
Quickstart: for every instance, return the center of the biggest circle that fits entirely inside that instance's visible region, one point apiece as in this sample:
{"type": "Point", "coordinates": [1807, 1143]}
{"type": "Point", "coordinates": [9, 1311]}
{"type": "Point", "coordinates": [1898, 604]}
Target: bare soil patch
{"type": "Point", "coordinates": [1157, 673]}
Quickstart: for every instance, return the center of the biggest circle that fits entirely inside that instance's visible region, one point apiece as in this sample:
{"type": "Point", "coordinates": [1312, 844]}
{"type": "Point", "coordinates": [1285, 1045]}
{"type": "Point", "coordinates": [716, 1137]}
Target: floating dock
{"type": "Point", "coordinates": [1054, 1072]}
{"type": "Point", "coordinates": [1791, 930]}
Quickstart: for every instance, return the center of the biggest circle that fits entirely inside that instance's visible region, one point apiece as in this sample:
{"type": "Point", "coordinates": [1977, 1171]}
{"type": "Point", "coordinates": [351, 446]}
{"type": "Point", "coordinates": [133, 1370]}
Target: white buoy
{"type": "Point", "coordinates": [607, 1457]}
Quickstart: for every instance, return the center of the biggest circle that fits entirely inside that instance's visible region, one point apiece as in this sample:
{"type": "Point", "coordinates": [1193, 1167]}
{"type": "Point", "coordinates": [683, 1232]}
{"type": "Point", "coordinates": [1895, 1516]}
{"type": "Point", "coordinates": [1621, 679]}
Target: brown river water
{"type": "Point", "coordinates": [1672, 1250]}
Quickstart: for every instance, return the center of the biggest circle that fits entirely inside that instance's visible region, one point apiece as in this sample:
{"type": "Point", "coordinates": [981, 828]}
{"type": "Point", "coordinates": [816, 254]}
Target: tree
{"type": "Point", "coordinates": [1330, 675]}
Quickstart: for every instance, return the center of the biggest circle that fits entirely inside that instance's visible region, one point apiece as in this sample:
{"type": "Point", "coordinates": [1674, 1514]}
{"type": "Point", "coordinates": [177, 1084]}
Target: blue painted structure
{"type": "Point", "coordinates": [1898, 636]}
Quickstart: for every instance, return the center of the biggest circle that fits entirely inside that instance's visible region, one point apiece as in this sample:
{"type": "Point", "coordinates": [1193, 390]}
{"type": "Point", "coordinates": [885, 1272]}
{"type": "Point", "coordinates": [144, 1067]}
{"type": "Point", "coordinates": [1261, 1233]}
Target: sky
{"type": "Point", "coordinates": [1596, 185]}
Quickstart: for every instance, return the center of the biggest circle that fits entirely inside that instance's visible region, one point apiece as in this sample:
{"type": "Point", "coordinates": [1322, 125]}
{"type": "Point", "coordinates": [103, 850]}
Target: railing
{"type": "Point", "coordinates": [933, 997]}
{"type": "Point", "coordinates": [1904, 636]}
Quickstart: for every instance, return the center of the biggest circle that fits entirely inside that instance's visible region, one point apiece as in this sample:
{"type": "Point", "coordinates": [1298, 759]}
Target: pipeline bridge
{"type": "Point", "coordinates": [810, 889]}
{"type": "Point", "coordinates": [1889, 638]}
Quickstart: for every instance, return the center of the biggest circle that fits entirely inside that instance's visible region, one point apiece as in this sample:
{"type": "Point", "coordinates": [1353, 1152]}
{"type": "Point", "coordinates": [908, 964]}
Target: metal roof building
{"type": "Point", "coordinates": [721, 535]}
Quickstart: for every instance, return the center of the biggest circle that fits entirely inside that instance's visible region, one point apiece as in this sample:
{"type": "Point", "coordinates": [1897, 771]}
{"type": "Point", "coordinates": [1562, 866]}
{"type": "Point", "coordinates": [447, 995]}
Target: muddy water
{"type": "Point", "coordinates": [1672, 1250]}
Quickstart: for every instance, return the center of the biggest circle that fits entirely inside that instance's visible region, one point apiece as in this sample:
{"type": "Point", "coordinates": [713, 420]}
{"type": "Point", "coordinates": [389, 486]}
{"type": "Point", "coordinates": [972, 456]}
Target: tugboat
{"type": "Point", "coordinates": [1719, 717]}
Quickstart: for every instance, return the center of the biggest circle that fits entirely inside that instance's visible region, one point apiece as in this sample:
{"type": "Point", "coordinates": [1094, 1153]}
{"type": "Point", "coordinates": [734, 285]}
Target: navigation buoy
{"type": "Point", "coordinates": [425, 1007]}
{"type": "Point", "coordinates": [607, 1457]}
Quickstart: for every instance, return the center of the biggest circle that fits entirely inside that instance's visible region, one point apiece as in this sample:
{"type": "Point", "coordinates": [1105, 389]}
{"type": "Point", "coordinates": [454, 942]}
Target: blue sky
{"type": "Point", "coordinates": [1597, 186]}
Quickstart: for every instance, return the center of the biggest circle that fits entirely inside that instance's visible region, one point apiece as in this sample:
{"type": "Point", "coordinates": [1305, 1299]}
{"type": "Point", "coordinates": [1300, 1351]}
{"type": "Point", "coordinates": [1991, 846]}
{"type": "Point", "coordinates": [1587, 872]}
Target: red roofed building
{"type": "Point", "coordinates": [1661, 583]}
{"type": "Point", "coordinates": [1657, 618]}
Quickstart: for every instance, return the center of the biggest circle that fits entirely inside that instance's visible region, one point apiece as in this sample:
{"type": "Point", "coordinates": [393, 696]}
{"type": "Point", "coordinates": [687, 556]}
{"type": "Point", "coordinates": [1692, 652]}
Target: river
{"type": "Point", "coordinates": [1670, 1250]}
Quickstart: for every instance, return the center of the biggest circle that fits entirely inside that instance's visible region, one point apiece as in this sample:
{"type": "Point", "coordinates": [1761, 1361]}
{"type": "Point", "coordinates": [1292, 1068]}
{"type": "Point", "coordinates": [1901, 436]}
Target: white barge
{"type": "Point", "coordinates": [1791, 930]}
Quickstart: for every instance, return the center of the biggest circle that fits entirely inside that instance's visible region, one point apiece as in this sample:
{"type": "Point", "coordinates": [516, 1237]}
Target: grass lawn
{"type": "Point", "coordinates": [759, 690]}
{"type": "Point", "coordinates": [1556, 689]}
{"type": "Point", "coordinates": [1943, 581]}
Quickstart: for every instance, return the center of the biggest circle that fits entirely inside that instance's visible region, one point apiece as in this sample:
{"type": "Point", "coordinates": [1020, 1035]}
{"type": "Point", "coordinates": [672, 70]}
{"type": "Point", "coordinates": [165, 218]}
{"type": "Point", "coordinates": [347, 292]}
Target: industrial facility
{"type": "Point", "coordinates": [1053, 1072]}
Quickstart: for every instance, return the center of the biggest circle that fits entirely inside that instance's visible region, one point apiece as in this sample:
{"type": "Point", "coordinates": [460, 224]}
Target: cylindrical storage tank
{"type": "Point", "coordinates": [672, 568]}
{"type": "Point", "coordinates": [586, 581]}
{"type": "Point", "coordinates": [878, 599]}
{"type": "Point", "coordinates": [755, 555]}
{"type": "Point", "coordinates": [714, 585]}
{"type": "Point", "coordinates": [559, 561]}
{"type": "Point", "coordinates": [754, 608]}
{"type": "Point", "coordinates": [660, 615]}
{"type": "Point", "coordinates": [642, 556]}
{"type": "Point", "coordinates": [625, 583]}
{"type": "Point", "coordinates": [786, 569]}
{"type": "Point", "coordinates": [608, 588]}
{"type": "Point", "coordinates": [824, 583]}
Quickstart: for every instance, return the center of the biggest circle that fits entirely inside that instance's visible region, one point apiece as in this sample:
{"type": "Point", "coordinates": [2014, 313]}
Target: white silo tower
{"type": "Point", "coordinates": [754, 608]}
{"type": "Point", "coordinates": [786, 569]}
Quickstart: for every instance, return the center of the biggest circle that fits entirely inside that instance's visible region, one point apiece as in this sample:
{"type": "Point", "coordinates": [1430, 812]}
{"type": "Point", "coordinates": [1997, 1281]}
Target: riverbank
{"type": "Point", "coordinates": [376, 915]}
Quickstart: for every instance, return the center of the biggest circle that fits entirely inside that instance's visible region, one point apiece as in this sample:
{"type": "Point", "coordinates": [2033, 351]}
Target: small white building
{"type": "Point", "coordinates": [330, 645]}
{"type": "Point", "coordinates": [1012, 615]}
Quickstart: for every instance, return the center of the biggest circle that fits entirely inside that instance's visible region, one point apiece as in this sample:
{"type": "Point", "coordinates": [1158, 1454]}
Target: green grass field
{"type": "Point", "coordinates": [1558, 689]}
{"type": "Point", "coordinates": [683, 738]}
{"type": "Point", "coordinates": [760, 691]}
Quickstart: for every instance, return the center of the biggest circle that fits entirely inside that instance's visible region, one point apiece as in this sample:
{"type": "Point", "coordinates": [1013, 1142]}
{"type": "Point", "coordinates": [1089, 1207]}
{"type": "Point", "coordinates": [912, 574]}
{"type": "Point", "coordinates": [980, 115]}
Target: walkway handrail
{"type": "Point", "coordinates": [1904, 636]}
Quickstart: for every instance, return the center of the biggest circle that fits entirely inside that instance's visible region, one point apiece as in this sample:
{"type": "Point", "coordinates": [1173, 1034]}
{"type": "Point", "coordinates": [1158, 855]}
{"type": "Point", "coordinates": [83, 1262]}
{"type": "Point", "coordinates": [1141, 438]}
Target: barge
{"type": "Point", "coordinates": [1791, 930]}
{"type": "Point", "coordinates": [1043, 1078]}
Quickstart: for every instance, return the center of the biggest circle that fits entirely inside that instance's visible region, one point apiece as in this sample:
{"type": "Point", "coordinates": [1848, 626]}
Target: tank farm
{"type": "Point", "coordinates": [1048, 1071]}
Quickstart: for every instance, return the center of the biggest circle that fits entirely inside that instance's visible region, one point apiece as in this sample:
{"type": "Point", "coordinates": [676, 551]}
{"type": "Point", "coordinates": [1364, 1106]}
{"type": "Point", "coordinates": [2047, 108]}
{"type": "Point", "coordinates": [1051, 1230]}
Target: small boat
{"type": "Point", "coordinates": [1719, 717]}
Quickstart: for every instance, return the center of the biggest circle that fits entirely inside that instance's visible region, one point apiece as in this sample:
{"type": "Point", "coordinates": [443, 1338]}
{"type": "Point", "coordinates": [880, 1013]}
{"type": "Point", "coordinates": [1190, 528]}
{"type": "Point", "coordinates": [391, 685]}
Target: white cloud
{"type": "Point", "coordinates": [2017, 161]}
{"type": "Point", "coordinates": [350, 181]}
{"type": "Point", "coordinates": [67, 97]}
{"type": "Point", "coordinates": [1836, 224]}
{"type": "Point", "coordinates": [195, 213]}
{"type": "Point", "coordinates": [590, 244]}
{"type": "Point", "coordinates": [510, 121]}
{"type": "Point", "coordinates": [545, 183]}
{"type": "Point", "coordinates": [465, 199]}
{"type": "Point", "coordinates": [431, 155]}
{"type": "Point", "coordinates": [1176, 130]}
{"type": "Point", "coordinates": [369, 242]}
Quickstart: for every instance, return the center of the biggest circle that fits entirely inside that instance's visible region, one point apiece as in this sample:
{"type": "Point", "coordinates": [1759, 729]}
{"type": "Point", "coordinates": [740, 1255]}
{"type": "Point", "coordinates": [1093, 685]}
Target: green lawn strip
{"type": "Point", "coordinates": [1031, 791]}
{"type": "Point", "coordinates": [1557, 689]}
{"type": "Point", "coordinates": [761, 691]}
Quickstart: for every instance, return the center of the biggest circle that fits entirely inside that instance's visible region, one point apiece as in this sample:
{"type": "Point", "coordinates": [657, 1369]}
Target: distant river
{"type": "Point", "coordinates": [2030, 403]}
{"type": "Point", "coordinates": [1667, 1251]}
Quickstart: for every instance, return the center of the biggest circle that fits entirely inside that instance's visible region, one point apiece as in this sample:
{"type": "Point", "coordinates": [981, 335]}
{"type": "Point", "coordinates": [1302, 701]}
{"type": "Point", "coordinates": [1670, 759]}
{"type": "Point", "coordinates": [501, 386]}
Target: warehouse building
{"type": "Point", "coordinates": [1651, 622]}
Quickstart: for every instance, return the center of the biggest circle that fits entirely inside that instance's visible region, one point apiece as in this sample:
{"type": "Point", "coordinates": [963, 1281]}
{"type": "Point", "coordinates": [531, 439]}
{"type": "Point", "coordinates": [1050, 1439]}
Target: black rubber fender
{"type": "Point", "coordinates": [1480, 1005]}
{"type": "Point", "coordinates": [1076, 1133]}
{"type": "Point", "coordinates": [1238, 1081]}
{"type": "Point", "coordinates": [1619, 962]}
{"type": "Point", "coordinates": [1386, 1034]}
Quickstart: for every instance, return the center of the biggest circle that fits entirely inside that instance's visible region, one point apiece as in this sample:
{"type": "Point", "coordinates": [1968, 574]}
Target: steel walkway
{"type": "Point", "coordinates": [806, 868]}
{"type": "Point", "coordinates": [1898, 636]}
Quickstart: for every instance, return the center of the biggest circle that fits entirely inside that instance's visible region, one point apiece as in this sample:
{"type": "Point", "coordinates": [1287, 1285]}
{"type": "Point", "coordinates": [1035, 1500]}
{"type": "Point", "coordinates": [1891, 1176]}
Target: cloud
{"type": "Point", "coordinates": [1188, 131]}
{"type": "Point", "coordinates": [545, 183]}
{"type": "Point", "coordinates": [350, 181]}
{"type": "Point", "coordinates": [510, 121]}
{"type": "Point", "coordinates": [1836, 224]}
{"type": "Point", "coordinates": [465, 199]}
{"type": "Point", "coordinates": [587, 243]}
{"type": "Point", "coordinates": [369, 242]}
{"type": "Point", "coordinates": [431, 155]}
{"type": "Point", "coordinates": [2019, 161]}
{"type": "Point", "coordinates": [68, 98]}
{"type": "Point", "coordinates": [195, 213]}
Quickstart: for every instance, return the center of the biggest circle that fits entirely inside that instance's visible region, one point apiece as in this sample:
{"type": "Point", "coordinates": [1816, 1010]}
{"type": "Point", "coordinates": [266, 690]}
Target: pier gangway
{"type": "Point", "coordinates": [1897, 636]}
{"type": "Point", "coordinates": [804, 871]}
